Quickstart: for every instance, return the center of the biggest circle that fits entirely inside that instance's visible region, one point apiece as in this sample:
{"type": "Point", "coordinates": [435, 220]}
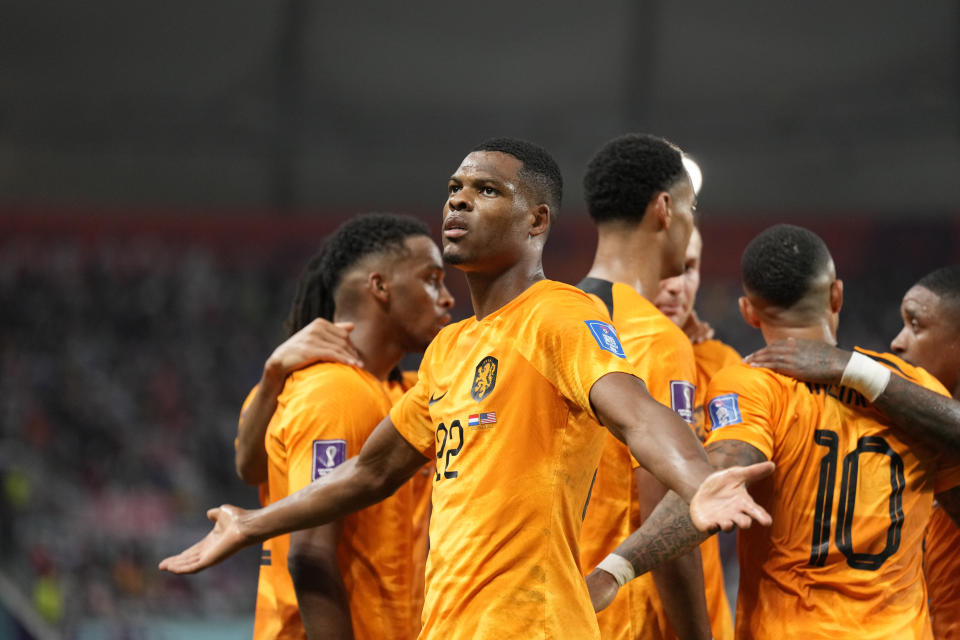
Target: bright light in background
{"type": "Point", "coordinates": [696, 176]}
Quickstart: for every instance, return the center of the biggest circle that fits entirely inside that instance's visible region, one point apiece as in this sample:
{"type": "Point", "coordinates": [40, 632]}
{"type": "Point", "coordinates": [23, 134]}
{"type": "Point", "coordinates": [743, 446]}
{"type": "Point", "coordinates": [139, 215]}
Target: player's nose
{"type": "Point", "coordinates": [445, 301]}
{"type": "Point", "coordinates": [899, 344]}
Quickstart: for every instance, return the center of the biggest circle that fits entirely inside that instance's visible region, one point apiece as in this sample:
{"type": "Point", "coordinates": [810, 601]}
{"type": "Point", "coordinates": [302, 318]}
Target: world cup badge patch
{"type": "Point", "coordinates": [724, 410]}
{"type": "Point", "coordinates": [327, 455]}
{"type": "Point", "coordinates": [681, 398]}
{"type": "Point", "coordinates": [484, 379]}
{"type": "Point", "coordinates": [606, 337]}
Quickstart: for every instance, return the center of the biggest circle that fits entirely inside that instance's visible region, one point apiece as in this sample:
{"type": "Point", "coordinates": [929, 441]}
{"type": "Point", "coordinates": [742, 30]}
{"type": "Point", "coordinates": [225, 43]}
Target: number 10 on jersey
{"type": "Point", "coordinates": [820, 546]}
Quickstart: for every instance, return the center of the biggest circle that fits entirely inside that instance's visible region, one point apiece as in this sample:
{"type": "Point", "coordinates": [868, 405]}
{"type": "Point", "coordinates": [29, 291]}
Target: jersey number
{"type": "Point", "coordinates": [443, 453]}
{"type": "Point", "coordinates": [820, 546]}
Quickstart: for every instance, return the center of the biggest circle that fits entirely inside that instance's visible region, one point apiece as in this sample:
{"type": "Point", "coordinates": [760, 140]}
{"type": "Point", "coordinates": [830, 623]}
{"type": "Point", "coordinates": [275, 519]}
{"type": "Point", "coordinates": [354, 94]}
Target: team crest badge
{"type": "Point", "coordinates": [485, 378]}
{"type": "Point", "coordinates": [327, 455]}
{"type": "Point", "coordinates": [724, 410]}
{"type": "Point", "coordinates": [681, 398]}
{"type": "Point", "coordinates": [606, 337]}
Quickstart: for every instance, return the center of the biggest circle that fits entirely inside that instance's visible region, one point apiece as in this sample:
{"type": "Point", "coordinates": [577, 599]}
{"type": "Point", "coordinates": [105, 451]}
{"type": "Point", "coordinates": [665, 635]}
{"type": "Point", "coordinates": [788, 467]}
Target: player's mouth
{"type": "Point", "coordinates": [454, 228]}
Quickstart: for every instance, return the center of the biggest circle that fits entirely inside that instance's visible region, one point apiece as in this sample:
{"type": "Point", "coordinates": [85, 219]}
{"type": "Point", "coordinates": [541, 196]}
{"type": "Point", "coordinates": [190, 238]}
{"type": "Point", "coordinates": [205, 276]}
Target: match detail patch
{"type": "Point", "coordinates": [606, 337]}
{"type": "Point", "coordinates": [327, 455]}
{"type": "Point", "coordinates": [681, 398]}
{"type": "Point", "coordinates": [724, 410]}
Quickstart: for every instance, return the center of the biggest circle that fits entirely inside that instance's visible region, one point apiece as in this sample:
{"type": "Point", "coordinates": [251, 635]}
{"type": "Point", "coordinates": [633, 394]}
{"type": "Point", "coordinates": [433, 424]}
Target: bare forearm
{"type": "Point", "coordinates": [322, 599]}
{"type": "Point", "coordinates": [665, 535]}
{"type": "Point", "coordinates": [680, 585]}
{"type": "Point", "coordinates": [657, 437]}
{"type": "Point", "coordinates": [921, 413]}
{"type": "Point", "coordinates": [251, 455]}
{"type": "Point", "coordinates": [347, 489]}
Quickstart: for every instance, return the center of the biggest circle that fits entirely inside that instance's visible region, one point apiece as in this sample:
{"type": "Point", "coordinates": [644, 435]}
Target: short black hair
{"type": "Point", "coordinates": [627, 172]}
{"type": "Point", "coordinates": [781, 262]}
{"type": "Point", "coordinates": [356, 238]}
{"type": "Point", "coordinates": [540, 171]}
{"type": "Point", "coordinates": [945, 284]}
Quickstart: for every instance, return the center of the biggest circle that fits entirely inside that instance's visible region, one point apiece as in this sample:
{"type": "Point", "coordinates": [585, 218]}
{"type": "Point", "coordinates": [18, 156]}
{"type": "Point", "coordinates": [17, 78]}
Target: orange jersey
{"type": "Point", "coordinates": [324, 415]}
{"type": "Point", "coordinates": [850, 499]}
{"type": "Point", "coordinates": [664, 358]}
{"type": "Point", "coordinates": [503, 407]}
{"type": "Point", "coordinates": [262, 488]}
{"type": "Point", "coordinates": [711, 356]}
{"type": "Point", "coordinates": [942, 570]}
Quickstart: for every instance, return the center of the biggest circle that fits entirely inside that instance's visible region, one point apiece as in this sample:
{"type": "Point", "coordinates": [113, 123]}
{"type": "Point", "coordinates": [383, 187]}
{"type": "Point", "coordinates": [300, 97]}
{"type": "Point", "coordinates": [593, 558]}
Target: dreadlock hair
{"type": "Point", "coordinates": [353, 240]}
{"type": "Point", "coordinates": [540, 171]}
{"type": "Point", "coordinates": [780, 264]}
{"type": "Point", "coordinates": [627, 172]}
{"type": "Point", "coordinates": [945, 284]}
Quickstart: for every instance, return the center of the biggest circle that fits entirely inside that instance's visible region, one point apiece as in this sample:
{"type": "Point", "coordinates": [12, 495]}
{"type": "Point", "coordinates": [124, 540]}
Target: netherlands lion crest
{"type": "Point", "coordinates": [485, 378]}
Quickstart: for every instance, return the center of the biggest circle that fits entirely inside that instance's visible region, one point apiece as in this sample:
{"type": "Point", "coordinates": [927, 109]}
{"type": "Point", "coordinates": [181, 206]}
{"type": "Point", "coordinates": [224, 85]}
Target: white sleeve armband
{"type": "Point", "coordinates": [865, 375]}
{"type": "Point", "coordinates": [619, 567]}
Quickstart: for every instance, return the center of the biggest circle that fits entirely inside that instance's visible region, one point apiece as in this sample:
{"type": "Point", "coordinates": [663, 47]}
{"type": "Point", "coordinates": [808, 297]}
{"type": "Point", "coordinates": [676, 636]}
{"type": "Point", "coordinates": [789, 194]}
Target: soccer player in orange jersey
{"type": "Point", "coordinates": [383, 275]}
{"type": "Point", "coordinates": [852, 492]}
{"type": "Point", "coordinates": [675, 299]}
{"type": "Point", "coordinates": [930, 338]}
{"type": "Point", "coordinates": [641, 198]}
{"type": "Point", "coordinates": [851, 495]}
{"type": "Point", "coordinates": [508, 404]}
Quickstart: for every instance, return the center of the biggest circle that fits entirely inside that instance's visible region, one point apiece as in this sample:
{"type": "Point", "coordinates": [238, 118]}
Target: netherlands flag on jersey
{"type": "Point", "coordinates": [478, 419]}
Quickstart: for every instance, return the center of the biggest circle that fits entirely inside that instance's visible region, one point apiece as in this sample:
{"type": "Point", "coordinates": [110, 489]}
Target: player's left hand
{"type": "Point", "coordinates": [696, 329]}
{"type": "Point", "coordinates": [808, 360]}
{"type": "Point", "coordinates": [722, 501]}
{"type": "Point", "coordinates": [603, 588]}
{"type": "Point", "coordinates": [222, 542]}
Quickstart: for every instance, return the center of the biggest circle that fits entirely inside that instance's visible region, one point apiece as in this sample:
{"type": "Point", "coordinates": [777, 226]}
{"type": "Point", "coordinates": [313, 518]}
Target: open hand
{"type": "Point", "coordinates": [319, 341]}
{"type": "Point", "coordinates": [222, 542]}
{"type": "Point", "coordinates": [722, 501]}
{"type": "Point", "coordinates": [809, 360]}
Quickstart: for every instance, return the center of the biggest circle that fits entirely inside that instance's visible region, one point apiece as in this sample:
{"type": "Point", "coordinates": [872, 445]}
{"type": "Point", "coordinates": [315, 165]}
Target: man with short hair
{"type": "Point", "coordinates": [508, 404]}
{"type": "Point", "coordinates": [675, 299]}
{"type": "Point", "coordinates": [930, 338]}
{"type": "Point", "coordinates": [641, 198]}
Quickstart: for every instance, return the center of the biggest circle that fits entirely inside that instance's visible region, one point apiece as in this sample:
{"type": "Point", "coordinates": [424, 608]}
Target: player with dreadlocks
{"type": "Point", "coordinates": [381, 276]}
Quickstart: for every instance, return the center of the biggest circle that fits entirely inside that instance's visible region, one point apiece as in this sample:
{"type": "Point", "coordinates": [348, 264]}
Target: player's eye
{"type": "Point", "coordinates": [488, 191]}
{"type": "Point", "coordinates": [453, 188]}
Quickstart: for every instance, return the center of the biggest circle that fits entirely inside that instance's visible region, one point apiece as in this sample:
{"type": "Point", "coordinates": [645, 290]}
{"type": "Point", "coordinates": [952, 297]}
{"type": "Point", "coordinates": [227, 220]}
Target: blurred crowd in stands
{"type": "Point", "coordinates": [122, 367]}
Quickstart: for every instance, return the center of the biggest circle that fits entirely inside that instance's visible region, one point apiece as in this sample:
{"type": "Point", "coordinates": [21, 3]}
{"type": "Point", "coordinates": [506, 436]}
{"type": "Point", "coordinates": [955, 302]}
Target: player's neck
{"type": "Point", "coordinates": [818, 332]}
{"type": "Point", "coordinates": [376, 343]}
{"type": "Point", "coordinates": [489, 292]}
{"type": "Point", "coordinates": [628, 255]}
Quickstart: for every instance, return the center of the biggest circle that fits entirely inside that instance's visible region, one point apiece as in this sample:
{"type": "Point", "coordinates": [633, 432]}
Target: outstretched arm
{"type": "Point", "coordinates": [670, 529]}
{"type": "Point", "coordinates": [915, 410]}
{"type": "Point", "coordinates": [319, 341]}
{"type": "Point", "coordinates": [385, 462]}
{"type": "Point", "coordinates": [665, 446]}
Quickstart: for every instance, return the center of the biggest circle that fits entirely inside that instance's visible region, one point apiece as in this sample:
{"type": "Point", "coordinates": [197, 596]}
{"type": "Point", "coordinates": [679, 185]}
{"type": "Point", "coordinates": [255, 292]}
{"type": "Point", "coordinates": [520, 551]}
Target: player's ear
{"type": "Point", "coordinates": [749, 312]}
{"type": "Point", "coordinates": [836, 295]}
{"type": "Point", "coordinates": [378, 286]}
{"type": "Point", "coordinates": [658, 211]}
{"type": "Point", "coordinates": [540, 220]}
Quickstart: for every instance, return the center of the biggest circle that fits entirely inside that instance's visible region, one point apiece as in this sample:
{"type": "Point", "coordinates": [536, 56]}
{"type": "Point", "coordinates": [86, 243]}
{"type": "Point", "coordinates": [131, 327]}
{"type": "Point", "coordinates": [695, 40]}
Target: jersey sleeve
{"type": "Point", "coordinates": [676, 379]}
{"type": "Point", "coordinates": [411, 414]}
{"type": "Point", "coordinates": [326, 425]}
{"type": "Point", "coordinates": [570, 340]}
{"type": "Point", "coordinates": [743, 404]}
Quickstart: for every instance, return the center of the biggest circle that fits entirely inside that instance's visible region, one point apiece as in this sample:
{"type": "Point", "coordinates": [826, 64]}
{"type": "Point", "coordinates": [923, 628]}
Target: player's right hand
{"type": "Point", "coordinates": [603, 588]}
{"type": "Point", "coordinates": [319, 341]}
{"type": "Point", "coordinates": [218, 545]}
{"type": "Point", "coordinates": [722, 500]}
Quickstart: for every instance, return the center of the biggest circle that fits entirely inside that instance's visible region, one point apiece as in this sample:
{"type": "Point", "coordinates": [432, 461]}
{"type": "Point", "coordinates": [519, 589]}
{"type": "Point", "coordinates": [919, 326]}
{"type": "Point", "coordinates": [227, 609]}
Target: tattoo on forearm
{"type": "Point", "coordinates": [921, 413]}
{"type": "Point", "coordinates": [733, 453]}
{"type": "Point", "coordinates": [666, 534]}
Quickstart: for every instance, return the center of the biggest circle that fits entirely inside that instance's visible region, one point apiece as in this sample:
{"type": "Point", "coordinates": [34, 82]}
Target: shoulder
{"type": "Point", "coordinates": [550, 295]}
{"type": "Point", "coordinates": [328, 382]}
{"type": "Point", "coordinates": [911, 372]}
{"type": "Point", "coordinates": [743, 376]}
{"type": "Point", "coordinates": [715, 355]}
